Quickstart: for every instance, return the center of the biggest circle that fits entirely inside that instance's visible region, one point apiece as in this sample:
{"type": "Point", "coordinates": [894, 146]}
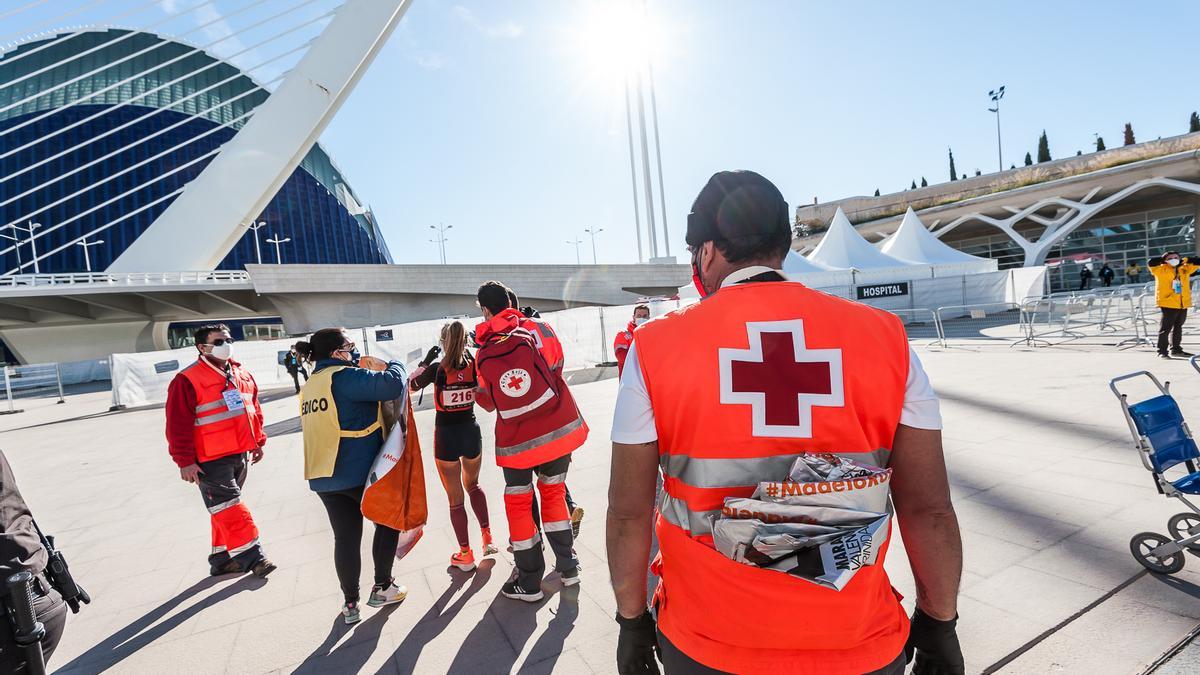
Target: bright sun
{"type": "Point", "coordinates": [618, 38]}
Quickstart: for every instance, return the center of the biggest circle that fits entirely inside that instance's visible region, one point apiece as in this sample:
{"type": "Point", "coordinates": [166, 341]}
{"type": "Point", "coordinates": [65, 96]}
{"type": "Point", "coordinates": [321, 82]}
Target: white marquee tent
{"type": "Point", "coordinates": [843, 247]}
{"type": "Point", "coordinates": [913, 243]}
{"type": "Point", "coordinates": [814, 275]}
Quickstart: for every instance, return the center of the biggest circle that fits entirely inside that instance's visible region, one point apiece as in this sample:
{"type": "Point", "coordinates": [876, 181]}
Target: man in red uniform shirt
{"type": "Point", "coordinates": [641, 314]}
{"type": "Point", "coordinates": [213, 421]}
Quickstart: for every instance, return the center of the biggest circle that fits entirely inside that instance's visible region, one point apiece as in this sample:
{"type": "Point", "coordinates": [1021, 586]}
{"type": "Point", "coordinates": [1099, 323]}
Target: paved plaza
{"type": "Point", "coordinates": [1046, 485]}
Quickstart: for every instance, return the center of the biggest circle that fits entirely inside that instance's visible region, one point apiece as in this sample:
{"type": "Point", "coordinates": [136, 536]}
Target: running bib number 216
{"type": "Point", "coordinates": [458, 397]}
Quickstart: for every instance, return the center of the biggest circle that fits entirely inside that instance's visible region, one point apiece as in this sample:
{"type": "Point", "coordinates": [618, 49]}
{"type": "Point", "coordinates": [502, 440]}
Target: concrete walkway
{"type": "Point", "coordinates": [1046, 484]}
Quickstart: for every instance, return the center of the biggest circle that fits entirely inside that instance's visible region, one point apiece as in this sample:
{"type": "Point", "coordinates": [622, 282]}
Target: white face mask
{"type": "Point", "coordinates": [640, 320]}
{"type": "Point", "coordinates": [222, 352]}
{"type": "Point", "coordinates": [1173, 262]}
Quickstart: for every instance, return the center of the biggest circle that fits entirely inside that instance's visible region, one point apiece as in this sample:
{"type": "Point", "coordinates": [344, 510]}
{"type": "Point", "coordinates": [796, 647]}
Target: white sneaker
{"type": "Point", "coordinates": [389, 595]}
{"type": "Point", "coordinates": [350, 613]}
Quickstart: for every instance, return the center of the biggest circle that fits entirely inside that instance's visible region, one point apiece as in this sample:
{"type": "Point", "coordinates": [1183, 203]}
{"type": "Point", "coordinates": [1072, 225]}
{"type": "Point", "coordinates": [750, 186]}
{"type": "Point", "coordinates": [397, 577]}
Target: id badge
{"type": "Point", "coordinates": [1177, 286]}
{"type": "Point", "coordinates": [234, 400]}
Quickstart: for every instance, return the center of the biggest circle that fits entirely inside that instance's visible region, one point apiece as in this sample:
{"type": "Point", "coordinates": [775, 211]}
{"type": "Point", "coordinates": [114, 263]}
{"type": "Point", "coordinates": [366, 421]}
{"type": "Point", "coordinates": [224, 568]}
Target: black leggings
{"type": "Point", "coordinates": [345, 517]}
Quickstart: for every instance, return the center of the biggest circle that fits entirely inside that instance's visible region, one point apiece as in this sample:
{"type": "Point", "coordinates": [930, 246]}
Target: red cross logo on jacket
{"type": "Point", "coordinates": [780, 378]}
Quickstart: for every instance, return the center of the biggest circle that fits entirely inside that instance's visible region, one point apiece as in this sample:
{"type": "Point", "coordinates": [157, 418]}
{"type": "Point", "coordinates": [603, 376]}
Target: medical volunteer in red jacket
{"type": "Point", "coordinates": [538, 426]}
{"type": "Point", "coordinates": [641, 314]}
{"type": "Point", "coordinates": [727, 392]}
{"type": "Point", "coordinates": [213, 421]}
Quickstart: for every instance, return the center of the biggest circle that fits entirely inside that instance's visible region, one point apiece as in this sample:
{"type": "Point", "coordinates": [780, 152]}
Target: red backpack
{"type": "Point", "coordinates": [522, 386]}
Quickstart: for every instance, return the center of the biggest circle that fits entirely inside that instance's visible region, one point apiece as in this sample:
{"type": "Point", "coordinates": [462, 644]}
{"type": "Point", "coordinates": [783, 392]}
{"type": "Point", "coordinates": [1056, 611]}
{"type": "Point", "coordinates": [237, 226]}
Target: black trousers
{"type": "Point", "coordinates": [1171, 327]}
{"type": "Point", "coordinates": [296, 377]}
{"type": "Point", "coordinates": [345, 517]}
{"type": "Point", "coordinates": [51, 610]}
{"type": "Point", "coordinates": [676, 662]}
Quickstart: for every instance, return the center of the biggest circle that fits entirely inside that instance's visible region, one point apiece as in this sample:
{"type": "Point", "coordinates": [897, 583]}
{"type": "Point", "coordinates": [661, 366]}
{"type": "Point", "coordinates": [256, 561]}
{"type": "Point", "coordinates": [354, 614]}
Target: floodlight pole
{"type": "Point", "coordinates": [593, 234]}
{"type": "Point", "coordinates": [85, 244]}
{"type": "Point", "coordinates": [996, 95]}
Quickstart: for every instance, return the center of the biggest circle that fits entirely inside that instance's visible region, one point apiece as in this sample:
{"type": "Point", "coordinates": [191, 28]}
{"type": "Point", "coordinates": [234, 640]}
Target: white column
{"type": "Point", "coordinates": [204, 223]}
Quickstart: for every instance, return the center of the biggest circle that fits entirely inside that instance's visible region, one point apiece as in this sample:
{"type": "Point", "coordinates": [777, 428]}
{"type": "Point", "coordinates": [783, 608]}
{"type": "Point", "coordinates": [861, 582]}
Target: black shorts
{"type": "Point", "coordinates": [452, 442]}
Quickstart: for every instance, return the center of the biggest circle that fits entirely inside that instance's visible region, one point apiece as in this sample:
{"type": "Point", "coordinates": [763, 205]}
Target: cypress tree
{"type": "Point", "coordinates": [978, 172]}
{"type": "Point", "coordinates": [1194, 123]}
{"type": "Point", "coordinates": [964, 176]}
{"type": "Point", "coordinates": [953, 172]}
{"type": "Point", "coordinates": [1043, 148]}
{"type": "Point", "coordinates": [1028, 160]}
{"type": "Point", "coordinates": [1100, 144]}
{"type": "Point", "coordinates": [876, 192]}
{"type": "Point", "coordinates": [1129, 140]}
{"type": "Point", "coordinates": [924, 183]}
{"type": "Point", "coordinates": [913, 186]}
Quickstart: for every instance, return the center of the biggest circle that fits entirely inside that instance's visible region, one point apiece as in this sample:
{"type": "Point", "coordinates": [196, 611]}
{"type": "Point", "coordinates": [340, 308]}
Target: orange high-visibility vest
{"type": "Point", "coordinates": [220, 430]}
{"type": "Point", "coordinates": [740, 384]}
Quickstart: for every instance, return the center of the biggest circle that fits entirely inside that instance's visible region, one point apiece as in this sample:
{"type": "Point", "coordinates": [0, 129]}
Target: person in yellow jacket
{"type": "Point", "coordinates": [1173, 292]}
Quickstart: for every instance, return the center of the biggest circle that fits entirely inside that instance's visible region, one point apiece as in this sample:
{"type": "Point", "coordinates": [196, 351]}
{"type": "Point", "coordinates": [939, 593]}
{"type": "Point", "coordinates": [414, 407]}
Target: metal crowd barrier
{"type": "Point", "coordinates": [40, 380]}
{"type": "Point", "coordinates": [971, 321]}
{"type": "Point", "coordinates": [921, 324]}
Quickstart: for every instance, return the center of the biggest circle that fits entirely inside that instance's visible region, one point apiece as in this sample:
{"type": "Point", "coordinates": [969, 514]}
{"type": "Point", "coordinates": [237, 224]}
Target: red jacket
{"type": "Point", "coordinates": [181, 414]}
{"type": "Point", "coordinates": [621, 346]}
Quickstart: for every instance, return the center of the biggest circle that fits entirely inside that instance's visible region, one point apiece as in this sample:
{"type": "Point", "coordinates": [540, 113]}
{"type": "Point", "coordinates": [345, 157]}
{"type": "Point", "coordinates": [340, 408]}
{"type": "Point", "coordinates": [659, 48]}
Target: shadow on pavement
{"type": "Point", "coordinates": [439, 615]}
{"type": "Point", "coordinates": [545, 652]}
{"type": "Point", "coordinates": [120, 645]}
{"type": "Point", "coordinates": [1033, 414]}
{"type": "Point", "coordinates": [283, 428]}
{"type": "Point", "coordinates": [351, 655]}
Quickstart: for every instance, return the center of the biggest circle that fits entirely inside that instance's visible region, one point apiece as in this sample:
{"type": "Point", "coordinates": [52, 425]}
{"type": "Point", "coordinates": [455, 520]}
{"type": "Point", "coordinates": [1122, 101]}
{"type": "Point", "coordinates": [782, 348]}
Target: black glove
{"type": "Point", "coordinates": [637, 645]}
{"type": "Point", "coordinates": [430, 355]}
{"type": "Point", "coordinates": [936, 646]}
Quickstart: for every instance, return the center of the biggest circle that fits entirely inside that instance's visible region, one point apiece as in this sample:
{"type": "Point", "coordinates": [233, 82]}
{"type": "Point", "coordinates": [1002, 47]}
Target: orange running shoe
{"type": "Point", "coordinates": [463, 560]}
{"type": "Point", "coordinates": [488, 547]}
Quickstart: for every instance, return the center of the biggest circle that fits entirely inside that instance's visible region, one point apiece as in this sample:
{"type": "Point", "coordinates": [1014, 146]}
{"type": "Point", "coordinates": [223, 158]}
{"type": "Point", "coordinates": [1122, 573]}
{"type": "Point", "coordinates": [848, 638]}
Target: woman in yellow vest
{"type": "Point", "coordinates": [342, 421]}
{"type": "Point", "coordinates": [1173, 292]}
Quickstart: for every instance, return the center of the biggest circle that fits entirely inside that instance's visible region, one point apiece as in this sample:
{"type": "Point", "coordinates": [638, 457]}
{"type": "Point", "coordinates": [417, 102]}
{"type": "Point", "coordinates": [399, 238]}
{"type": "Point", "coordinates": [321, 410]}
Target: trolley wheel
{"type": "Point", "coordinates": [1144, 542]}
{"type": "Point", "coordinates": [1179, 526]}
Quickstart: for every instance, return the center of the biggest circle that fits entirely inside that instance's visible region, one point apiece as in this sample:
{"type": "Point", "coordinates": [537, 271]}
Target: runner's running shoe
{"type": "Point", "coordinates": [576, 521]}
{"type": "Point", "coordinates": [388, 594]}
{"type": "Point", "coordinates": [350, 613]}
{"type": "Point", "coordinates": [488, 547]}
{"type": "Point", "coordinates": [463, 560]}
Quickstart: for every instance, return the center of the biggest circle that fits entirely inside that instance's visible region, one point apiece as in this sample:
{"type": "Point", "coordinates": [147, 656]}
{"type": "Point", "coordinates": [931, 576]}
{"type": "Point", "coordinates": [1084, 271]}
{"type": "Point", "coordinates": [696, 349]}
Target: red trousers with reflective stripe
{"type": "Point", "coordinates": [556, 520]}
{"type": "Point", "coordinates": [234, 534]}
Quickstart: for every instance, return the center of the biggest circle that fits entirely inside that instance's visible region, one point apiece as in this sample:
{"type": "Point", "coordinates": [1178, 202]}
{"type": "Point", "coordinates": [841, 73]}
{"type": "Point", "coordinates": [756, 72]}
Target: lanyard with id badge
{"type": "Point", "coordinates": [233, 397]}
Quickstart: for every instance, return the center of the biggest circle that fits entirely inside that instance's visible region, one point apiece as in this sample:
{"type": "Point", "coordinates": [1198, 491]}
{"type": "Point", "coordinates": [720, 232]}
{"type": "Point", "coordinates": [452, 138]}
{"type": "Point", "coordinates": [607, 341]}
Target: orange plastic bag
{"type": "Point", "coordinates": [395, 492]}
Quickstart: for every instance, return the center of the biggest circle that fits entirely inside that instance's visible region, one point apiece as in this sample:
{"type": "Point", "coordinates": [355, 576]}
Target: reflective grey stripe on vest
{"type": "Point", "coordinates": [220, 403]}
{"type": "Point", "coordinates": [220, 417]}
{"type": "Point", "coordinates": [677, 513]}
{"type": "Point", "coordinates": [540, 440]}
{"type": "Point", "coordinates": [746, 471]}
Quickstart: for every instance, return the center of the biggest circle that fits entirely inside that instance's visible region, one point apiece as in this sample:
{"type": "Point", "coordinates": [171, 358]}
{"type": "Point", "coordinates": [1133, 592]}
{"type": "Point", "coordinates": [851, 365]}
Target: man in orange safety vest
{"type": "Point", "coordinates": [734, 392]}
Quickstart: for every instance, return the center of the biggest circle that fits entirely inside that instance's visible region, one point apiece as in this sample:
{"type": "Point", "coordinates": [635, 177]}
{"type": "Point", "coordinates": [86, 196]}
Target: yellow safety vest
{"type": "Point", "coordinates": [319, 422]}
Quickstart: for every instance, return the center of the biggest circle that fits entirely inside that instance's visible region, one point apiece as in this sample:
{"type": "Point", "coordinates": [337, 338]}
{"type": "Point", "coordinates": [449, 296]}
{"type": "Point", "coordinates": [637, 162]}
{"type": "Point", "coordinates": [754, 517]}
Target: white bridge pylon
{"type": "Point", "coordinates": [206, 221]}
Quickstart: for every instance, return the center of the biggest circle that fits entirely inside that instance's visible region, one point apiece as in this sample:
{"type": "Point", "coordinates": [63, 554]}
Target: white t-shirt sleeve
{"type": "Point", "coordinates": [633, 419]}
{"type": "Point", "coordinates": [921, 407]}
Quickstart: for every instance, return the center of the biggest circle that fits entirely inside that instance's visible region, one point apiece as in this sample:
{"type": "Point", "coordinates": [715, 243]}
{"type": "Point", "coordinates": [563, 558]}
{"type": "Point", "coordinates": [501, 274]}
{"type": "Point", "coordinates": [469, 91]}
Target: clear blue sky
{"type": "Point", "coordinates": [487, 116]}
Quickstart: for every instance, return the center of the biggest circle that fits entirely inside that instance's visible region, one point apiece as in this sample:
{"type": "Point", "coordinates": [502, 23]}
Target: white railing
{"type": "Point", "coordinates": [125, 279]}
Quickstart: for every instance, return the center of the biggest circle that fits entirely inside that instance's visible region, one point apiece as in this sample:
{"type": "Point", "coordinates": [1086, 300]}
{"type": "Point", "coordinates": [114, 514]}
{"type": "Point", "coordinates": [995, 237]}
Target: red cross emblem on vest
{"type": "Point", "coordinates": [781, 379]}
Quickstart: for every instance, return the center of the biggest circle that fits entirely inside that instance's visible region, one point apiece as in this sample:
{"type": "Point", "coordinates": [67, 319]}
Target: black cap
{"type": "Point", "coordinates": [736, 204]}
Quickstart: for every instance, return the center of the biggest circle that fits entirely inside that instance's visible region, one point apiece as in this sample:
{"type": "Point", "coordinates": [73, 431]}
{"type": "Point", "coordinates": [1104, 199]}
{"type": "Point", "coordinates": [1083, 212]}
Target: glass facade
{"type": "Point", "coordinates": [1118, 240]}
{"type": "Point", "coordinates": [99, 131]}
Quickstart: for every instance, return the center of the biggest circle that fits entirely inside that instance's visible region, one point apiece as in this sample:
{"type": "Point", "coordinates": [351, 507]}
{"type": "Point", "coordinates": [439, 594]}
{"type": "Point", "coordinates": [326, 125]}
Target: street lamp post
{"type": "Point", "coordinates": [441, 238]}
{"type": "Point", "coordinates": [32, 242]}
{"type": "Point", "coordinates": [255, 227]}
{"type": "Point", "coordinates": [277, 241]}
{"type": "Point", "coordinates": [593, 234]}
{"type": "Point", "coordinates": [16, 247]}
{"type": "Point", "coordinates": [87, 259]}
{"type": "Point", "coordinates": [996, 95]}
{"type": "Point", "coordinates": [577, 241]}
